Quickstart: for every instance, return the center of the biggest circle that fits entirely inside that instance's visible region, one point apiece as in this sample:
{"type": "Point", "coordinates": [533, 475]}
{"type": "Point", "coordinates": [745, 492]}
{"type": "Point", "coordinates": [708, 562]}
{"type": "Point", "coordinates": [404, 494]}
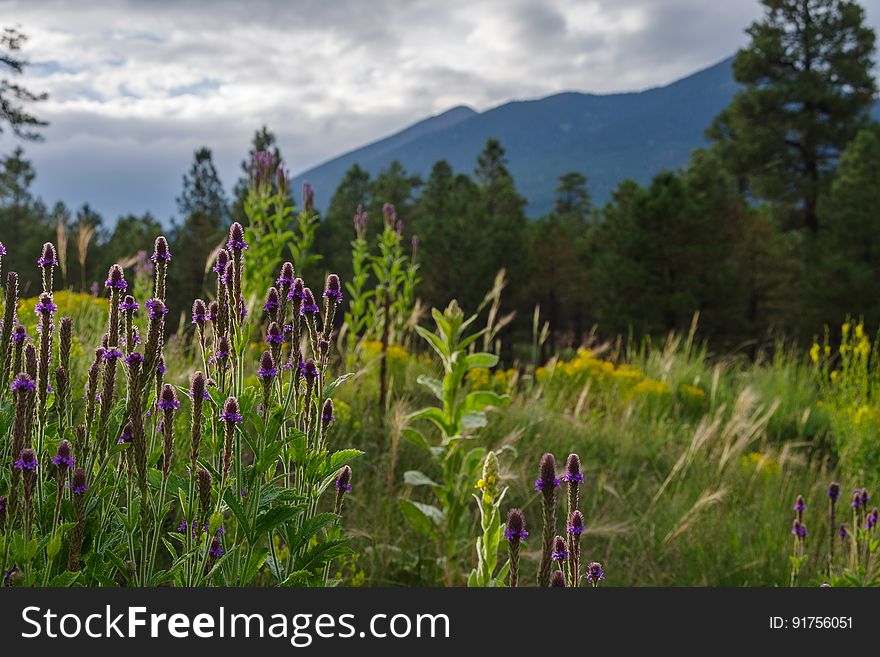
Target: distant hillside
{"type": "Point", "coordinates": [606, 137]}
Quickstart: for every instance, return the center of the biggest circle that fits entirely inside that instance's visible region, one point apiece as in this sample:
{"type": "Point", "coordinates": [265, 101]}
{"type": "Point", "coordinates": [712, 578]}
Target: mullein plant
{"type": "Point", "coordinates": [142, 482]}
{"type": "Point", "coordinates": [489, 501]}
{"type": "Point", "coordinates": [458, 415]}
{"type": "Point", "coordinates": [853, 547]}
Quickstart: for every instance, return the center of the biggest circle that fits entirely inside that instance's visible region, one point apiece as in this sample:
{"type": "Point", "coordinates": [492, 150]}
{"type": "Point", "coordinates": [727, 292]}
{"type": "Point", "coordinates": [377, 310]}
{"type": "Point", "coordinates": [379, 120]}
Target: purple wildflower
{"type": "Point", "coordinates": [308, 304]}
{"type": "Point", "coordinates": [560, 553]}
{"type": "Point", "coordinates": [24, 383]}
{"type": "Point", "coordinates": [128, 304]}
{"type": "Point", "coordinates": [48, 258]}
{"type": "Point", "coordinates": [126, 435]}
{"type": "Point", "coordinates": [834, 491]}
{"type": "Point", "coordinates": [515, 530]}
{"type": "Point", "coordinates": [842, 531]}
{"type": "Point", "coordinates": [160, 250]}
{"type": "Point", "coordinates": [116, 279]}
{"type": "Point", "coordinates": [199, 312]}
{"type": "Point", "coordinates": [78, 483]}
{"type": "Point", "coordinates": [160, 367]}
{"type": "Point", "coordinates": [799, 529]}
{"type": "Point", "coordinates": [800, 504]}
{"type": "Point", "coordinates": [168, 400]}
{"type": "Point", "coordinates": [27, 460]}
{"type": "Point", "coordinates": [45, 306]}
{"type": "Point", "coordinates": [308, 197]}
{"type": "Point", "coordinates": [594, 573]}
{"type": "Point", "coordinates": [327, 413]}
{"type": "Point", "coordinates": [272, 303]}
{"type": "Point", "coordinates": [576, 523]}
{"type": "Point", "coordinates": [333, 290]}
{"type": "Point", "coordinates": [285, 278]}
{"type": "Point", "coordinates": [547, 479]}
{"type": "Point", "coordinates": [155, 308]}
{"type": "Point", "coordinates": [872, 519]}
{"type": "Point", "coordinates": [134, 357]}
{"type": "Point", "coordinates": [274, 335]}
{"type": "Point", "coordinates": [220, 264]}
{"type": "Point", "coordinates": [573, 474]}
{"type": "Point", "coordinates": [112, 354]}
{"type": "Point", "coordinates": [230, 413]}
{"type": "Point", "coordinates": [267, 369]}
{"type": "Point", "coordinates": [19, 334]}
{"type": "Point", "coordinates": [343, 480]}
{"type": "Point", "coordinates": [63, 459]}
{"type": "Point", "coordinates": [216, 549]}
{"type": "Point", "coordinates": [236, 240]}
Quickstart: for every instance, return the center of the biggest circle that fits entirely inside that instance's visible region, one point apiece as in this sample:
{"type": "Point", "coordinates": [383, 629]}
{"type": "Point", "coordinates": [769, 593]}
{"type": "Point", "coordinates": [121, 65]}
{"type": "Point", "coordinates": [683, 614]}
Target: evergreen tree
{"type": "Point", "coordinates": [498, 224]}
{"type": "Point", "coordinates": [14, 97]}
{"type": "Point", "coordinates": [572, 197]}
{"type": "Point", "coordinates": [202, 205]}
{"type": "Point", "coordinates": [336, 231]}
{"type": "Point", "coordinates": [807, 88]}
{"type": "Point", "coordinates": [24, 222]}
{"type": "Point", "coordinates": [845, 282]}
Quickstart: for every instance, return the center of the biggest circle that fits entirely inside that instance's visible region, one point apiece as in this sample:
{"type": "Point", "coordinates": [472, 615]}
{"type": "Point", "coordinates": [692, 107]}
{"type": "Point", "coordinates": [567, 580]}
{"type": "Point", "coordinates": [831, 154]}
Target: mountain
{"type": "Point", "coordinates": [606, 137]}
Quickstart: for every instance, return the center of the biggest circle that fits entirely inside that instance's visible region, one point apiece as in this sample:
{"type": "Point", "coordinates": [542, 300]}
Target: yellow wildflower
{"type": "Point", "coordinates": [814, 353]}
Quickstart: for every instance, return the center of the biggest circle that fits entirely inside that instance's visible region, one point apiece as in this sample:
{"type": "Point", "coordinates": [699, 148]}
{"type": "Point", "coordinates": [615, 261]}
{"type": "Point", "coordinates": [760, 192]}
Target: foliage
{"type": "Point", "coordinates": [459, 415]}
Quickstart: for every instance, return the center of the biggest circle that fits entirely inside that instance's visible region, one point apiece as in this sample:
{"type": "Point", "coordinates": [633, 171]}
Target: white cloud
{"type": "Point", "coordinates": [136, 86]}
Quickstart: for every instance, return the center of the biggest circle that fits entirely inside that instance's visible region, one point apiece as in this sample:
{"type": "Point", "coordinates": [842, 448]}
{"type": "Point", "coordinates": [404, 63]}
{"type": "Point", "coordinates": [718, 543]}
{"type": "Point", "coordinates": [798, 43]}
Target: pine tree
{"type": "Point", "coordinates": [13, 97]}
{"type": "Point", "coordinates": [205, 217]}
{"type": "Point", "coordinates": [807, 90]}
{"type": "Point", "coordinates": [336, 230]}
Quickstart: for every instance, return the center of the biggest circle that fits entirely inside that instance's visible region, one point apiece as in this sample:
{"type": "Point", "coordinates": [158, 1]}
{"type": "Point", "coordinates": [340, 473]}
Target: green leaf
{"type": "Point", "coordinates": [416, 438]}
{"type": "Point", "coordinates": [64, 579]}
{"type": "Point", "coordinates": [424, 518]}
{"type": "Point", "coordinates": [433, 384]}
{"type": "Point", "coordinates": [473, 420]}
{"type": "Point", "coordinates": [418, 478]}
{"type": "Point", "coordinates": [330, 387]}
{"type": "Point", "coordinates": [275, 517]}
{"type": "Point", "coordinates": [434, 415]}
{"type": "Point", "coordinates": [433, 339]}
{"type": "Point", "coordinates": [480, 399]}
{"type": "Point", "coordinates": [481, 359]}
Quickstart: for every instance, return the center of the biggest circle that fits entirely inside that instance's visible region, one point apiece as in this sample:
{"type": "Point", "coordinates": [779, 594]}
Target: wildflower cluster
{"type": "Point", "coordinates": [88, 484]}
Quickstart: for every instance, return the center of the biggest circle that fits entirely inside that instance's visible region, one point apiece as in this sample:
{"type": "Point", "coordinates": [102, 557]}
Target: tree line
{"type": "Point", "coordinates": [771, 229]}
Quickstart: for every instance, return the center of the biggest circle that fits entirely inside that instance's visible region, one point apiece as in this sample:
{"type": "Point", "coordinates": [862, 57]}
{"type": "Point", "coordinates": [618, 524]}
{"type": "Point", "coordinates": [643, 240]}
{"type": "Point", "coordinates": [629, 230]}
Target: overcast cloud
{"type": "Point", "coordinates": [135, 87]}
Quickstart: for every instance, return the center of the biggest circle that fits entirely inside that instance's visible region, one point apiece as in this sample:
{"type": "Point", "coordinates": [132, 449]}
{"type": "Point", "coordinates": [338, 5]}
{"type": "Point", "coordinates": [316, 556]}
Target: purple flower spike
{"type": "Point", "coordinates": [308, 304]}
{"type": "Point", "coordinates": [27, 460]}
{"type": "Point", "coordinates": [134, 357]}
{"type": "Point", "coordinates": [63, 459]}
{"type": "Point", "coordinates": [515, 530]}
{"type": "Point", "coordinates": [799, 529]}
{"type": "Point", "coordinates": [236, 242]}
{"type": "Point", "coordinates": [45, 306]}
{"type": "Point", "coordinates": [112, 354]}
{"type": "Point", "coordinates": [343, 480]}
{"type": "Point", "coordinates": [126, 435]}
{"type": "Point", "coordinates": [128, 304]}
{"type": "Point", "coordinates": [267, 369]}
{"type": "Point", "coordinates": [116, 279]}
{"type": "Point", "coordinates": [560, 553]}
{"type": "Point", "coordinates": [273, 302]}
{"type": "Point", "coordinates": [547, 480]}
{"type": "Point", "coordinates": [220, 265]}
{"type": "Point", "coordinates": [834, 491]}
{"type": "Point", "coordinates": [576, 523]}
{"type": "Point", "coordinates": [168, 399]}
{"type": "Point", "coordinates": [19, 334]}
{"type": "Point", "coordinates": [78, 483]}
{"type": "Point", "coordinates": [842, 531]}
{"type": "Point", "coordinates": [24, 383]}
{"type": "Point", "coordinates": [800, 504]}
{"type": "Point", "coordinates": [327, 413]}
{"type": "Point", "coordinates": [230, 413]}
{"type": "Point", "coordinates": [199, 312]}
{"type": "Point", "coordinates": [156, 308]}
{"type": "Point", "coordinates": [216, 549]}
{"type": "Point", "coordinates": [332, 289]}
{"type": "Point", "coordinates": [573, 474]}
{"type": "Point", "coordinates": [160, 250]}
{"type": "Point", "coordinates": [274, 335]}
{"type": "Point", "coordinates": [594, 573]}
{"type": "Point", "coordinates": [285, 278]}
{"type": "Point", "coordinates": [48, 257]}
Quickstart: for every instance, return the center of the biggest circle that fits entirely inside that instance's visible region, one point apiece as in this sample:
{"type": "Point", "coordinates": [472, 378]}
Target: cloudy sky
{"type": "Point", "coordinates": [135, 87]}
